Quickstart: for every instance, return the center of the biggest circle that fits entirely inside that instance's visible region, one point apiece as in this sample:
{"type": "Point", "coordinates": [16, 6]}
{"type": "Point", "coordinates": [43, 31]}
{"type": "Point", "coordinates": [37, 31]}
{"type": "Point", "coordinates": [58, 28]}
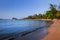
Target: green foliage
{"type": "Point", "coordinates": [58, 14]}
{"type": "Point", "coordinates": [53, 10]}
{"type": "Point", "coordinates": [29, 17]}
{"type": "Point", "coordinates": [44, 16]}
{"type": "Point", "coordinates": [40, 16]}
{"type": "Point", "coordinates": [50, 14]}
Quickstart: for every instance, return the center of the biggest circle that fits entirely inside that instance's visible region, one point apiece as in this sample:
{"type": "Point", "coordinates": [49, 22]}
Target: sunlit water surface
{"type": "Point", "coordinates": [15, 28]}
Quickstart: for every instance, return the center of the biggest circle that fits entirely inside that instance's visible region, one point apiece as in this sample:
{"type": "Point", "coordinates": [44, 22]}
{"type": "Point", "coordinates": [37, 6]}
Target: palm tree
{"type": "Point", "coordinates": [53, 9]}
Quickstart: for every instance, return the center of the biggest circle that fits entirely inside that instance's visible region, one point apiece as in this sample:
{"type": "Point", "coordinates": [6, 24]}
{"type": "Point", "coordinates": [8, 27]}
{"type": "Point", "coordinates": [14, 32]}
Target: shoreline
{"type": "Point", "coordinates": [53, 31]}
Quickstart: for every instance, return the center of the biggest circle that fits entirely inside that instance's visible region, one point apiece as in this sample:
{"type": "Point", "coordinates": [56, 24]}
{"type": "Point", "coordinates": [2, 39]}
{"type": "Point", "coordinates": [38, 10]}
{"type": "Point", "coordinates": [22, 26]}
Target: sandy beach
{"type": "Point", "coordinates": [53, 31]}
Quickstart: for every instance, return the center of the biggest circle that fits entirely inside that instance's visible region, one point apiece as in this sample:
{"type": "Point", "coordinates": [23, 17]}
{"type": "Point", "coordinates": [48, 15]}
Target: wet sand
{"type": "Point", "coordinates": [53, 31]}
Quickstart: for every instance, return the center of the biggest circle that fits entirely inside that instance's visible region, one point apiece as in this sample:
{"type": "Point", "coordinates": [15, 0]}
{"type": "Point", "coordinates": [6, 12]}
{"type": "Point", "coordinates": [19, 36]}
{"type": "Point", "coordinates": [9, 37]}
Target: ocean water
{"type": "Point", "coordinates": [15, 28]}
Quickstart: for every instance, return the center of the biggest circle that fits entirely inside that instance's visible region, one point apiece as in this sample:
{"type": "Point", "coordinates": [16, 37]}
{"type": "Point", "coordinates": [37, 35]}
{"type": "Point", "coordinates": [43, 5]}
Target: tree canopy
{"type": "Point", "coordinates": [50, 14]}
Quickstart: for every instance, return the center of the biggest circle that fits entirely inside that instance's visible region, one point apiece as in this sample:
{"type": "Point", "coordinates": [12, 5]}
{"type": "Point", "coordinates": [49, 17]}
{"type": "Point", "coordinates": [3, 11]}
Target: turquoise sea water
{"type": "Point", "coordinates": [14, 28]}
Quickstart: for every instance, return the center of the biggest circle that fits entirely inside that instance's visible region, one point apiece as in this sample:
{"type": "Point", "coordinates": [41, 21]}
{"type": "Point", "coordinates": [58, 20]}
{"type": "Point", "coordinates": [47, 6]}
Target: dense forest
{"type": "Point", "coordinates": [52, 13]}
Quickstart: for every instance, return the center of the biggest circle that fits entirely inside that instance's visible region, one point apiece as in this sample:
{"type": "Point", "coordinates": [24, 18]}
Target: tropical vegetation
{"type": "Point", "coordinates": [53, 13]}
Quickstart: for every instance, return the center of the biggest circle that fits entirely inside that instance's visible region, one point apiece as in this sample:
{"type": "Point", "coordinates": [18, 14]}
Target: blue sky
{"type": "Point", "coordinates": [23, 8]}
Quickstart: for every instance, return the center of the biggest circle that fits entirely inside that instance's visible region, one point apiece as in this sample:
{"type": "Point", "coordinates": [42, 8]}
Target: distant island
{"type": "Point", "coordinates": [52, 13]}
{"type": "Point", "coordinates": [14, 18]}
{"type": "Point", "coordinates": [1, 19]}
